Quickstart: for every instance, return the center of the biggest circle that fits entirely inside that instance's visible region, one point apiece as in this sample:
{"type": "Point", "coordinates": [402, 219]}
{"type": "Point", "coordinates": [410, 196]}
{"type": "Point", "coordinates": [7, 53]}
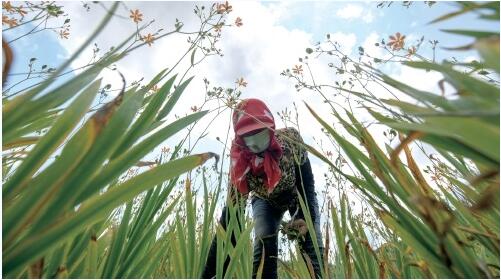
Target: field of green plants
{"type": "Point", "coordinates": [74, 204]}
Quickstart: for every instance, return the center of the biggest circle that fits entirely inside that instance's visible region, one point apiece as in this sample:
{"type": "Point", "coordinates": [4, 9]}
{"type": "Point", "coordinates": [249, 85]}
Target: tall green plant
{"type": "Point", "coordinates": [60, 187]}
{"type": "Point", "coordinates": [452, 233]}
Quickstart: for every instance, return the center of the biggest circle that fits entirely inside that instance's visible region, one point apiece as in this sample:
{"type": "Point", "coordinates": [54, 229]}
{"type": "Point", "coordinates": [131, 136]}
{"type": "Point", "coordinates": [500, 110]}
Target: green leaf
{"type": "Point", "coordinates": [192, 59]}
{"type": "Point", "coordinates": [408, 107]}
{"type": "Point", "coordinates": [145, 119]}
{"type": "Point", "coordinates": [427, 98]}
{"type": "Point", "coordinates": [49, 142]}
{"type": "Point", "coordinates": [119, 165]}
{"type": "Point", "coordinates": [439, 141]}
{"type": "Point", "coordinates": [118, 243]}
{"type": "Point", "coordinates": [95, 209]}
{"type": "Point", "coordinates": [21, 142]}
{"type": "Point", "coordinates": [139, 247]}
{"type": "Point", "coordinates": [471, 33]}
{"type": "Point", "coordinates": [467, 7]}
{"type": "Point", "coordinates": [408, 238]}
{"type": "Point", "coordinates": [466, 84]}
{"type": "Point", "coordinates": [489, 50]}
{"type": "Point", "coordinates": [77, 249]}
{"type": "Point", "coordinates": [142, 217]}
{"type": "Point", "coordinates": [242, 242]}
{"type": "Point", "coordinates": [191, 214]}
{"type": "Point", "coordinates": [91, 258]}
{"type": "Point", "coordinates": [31, 110]}
{"type": "Point", "coordinates": [478, 135]}
{"type": "Point", "coordinates": [54, 262]}
{"type": "Point", "coordinates": [44, 121]}
{"type": "Point", "coordinates": [43, 190]}
{"type": "Point", "coordinates": [173, 100]}
{"type": "Point", "coordinates": [105, 124]}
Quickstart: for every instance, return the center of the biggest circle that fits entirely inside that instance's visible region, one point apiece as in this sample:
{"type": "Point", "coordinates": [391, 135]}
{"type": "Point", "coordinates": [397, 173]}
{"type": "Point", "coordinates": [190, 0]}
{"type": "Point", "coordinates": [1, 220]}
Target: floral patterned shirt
{"type": "Point", "coordinates": [293, 155]}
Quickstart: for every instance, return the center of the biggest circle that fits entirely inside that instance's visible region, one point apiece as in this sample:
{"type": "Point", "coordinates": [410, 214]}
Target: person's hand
{"type": "Point", "coordinates": [295, 229]}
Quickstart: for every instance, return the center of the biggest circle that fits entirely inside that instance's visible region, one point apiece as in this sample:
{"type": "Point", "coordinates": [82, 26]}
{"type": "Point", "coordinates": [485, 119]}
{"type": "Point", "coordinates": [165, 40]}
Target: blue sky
{"type": "Point", "coordinates": [320, 18]}
{"type": "Point", "coordinates": [265, 45]}
{"type": "Point", "coordinates": [315, 18]}
{"type": "Point", "coordinates": [43, 46]}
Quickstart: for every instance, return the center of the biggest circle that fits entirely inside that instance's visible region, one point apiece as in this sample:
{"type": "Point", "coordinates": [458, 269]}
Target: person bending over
{"type": "Point", "coordinates": [272, 166]}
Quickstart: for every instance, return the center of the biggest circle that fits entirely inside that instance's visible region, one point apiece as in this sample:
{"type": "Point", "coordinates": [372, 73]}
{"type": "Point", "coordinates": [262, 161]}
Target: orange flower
{"type": "Point", "coordinates": [238, 22]}
{"type": "Point", "coordinates": [21, 12]}
{"type": "Point", "coordinates": [411, 51]}
{"type": "Point", "coordinates": [165, 150]}
{"type": "Point", "coordinates": [136, 16]}
{"type": "Point", "coordinates": [9, 21]}
{"type": "Point", "coordinates": [7, 6]}
{"type": "Point", "coordinates": [64, 34]}
{"type": "Point", "coordinates": [298, 69]}
{"type": "Point", "coordinates": [194, 108]}
{"type": "Point", "coordinates": [241, 82]}
{"type": "Point", "coordinates": [396, 42]}
{"type": "Point", "coordinates": [222, 8]}
{"type": "Point", "coordinates": [148, 39]}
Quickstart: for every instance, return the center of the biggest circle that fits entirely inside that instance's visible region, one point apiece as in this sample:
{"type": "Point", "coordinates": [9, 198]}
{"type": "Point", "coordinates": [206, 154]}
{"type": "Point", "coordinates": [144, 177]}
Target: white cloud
{"type": "Point", "coordinates": [471, 58]}
{"type": "Point", "coordinates": [369, 45]}
{"type": "Point", "coordinates": [411, 39]}
{"type": "Point", "coordinates": [419, 78]}
{"type": "Point", "coordinates": [350, 11]}
{"type": "Point", "coordinates": [258, 51]}
{"type": "Point", "coordinates": [368, 17]}
{"type": "Point", "coordinates": [282, 10]}
{"type": "Point", "coordinates": [355, 11]}
{"type": "Point", "coordinates": [346, 40]}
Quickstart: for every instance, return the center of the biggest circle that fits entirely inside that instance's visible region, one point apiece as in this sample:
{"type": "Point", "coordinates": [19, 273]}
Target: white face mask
{"type": "Point", "coordinates": [258, 142]}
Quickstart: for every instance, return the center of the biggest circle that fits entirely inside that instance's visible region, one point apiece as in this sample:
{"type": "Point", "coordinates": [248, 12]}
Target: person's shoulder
{"type": "Point", "coordinates": [289, 132]}
{"type": "Point", "coordinates": [292, 143]}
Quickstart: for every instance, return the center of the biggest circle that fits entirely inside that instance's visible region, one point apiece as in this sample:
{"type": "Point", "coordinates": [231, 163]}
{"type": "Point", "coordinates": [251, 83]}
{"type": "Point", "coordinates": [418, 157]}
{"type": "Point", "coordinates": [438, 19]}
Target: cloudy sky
{"type": "Point", "coordinates": [273, 36]}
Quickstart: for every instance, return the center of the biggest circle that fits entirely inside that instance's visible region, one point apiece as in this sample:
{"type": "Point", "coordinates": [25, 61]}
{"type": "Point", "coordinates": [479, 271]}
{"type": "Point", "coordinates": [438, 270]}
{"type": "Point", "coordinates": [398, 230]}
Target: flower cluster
{"type": "Point", "coordinates": [238, 22]}
{"type": "Point", "coordinates": [397, 41]}
{"type": "Point", "coordinates": [241, 82]}
{"type": "Point", "coordinates": [297, 69]}
{"type": "Point", "coordinates": [136, 16]}
{"type": "Point", "coordinates": [63, 34]}
{"type": "Point", "coordinates": [12, 10]}
{"type": "Point", "coordinates": [148, 39]}
{"type": "Point", "coordinates": [411, 51]}
{"type": "Point", "coordinates": [11, 22]}
{"type": "Point", "coordinates": [224, 8]}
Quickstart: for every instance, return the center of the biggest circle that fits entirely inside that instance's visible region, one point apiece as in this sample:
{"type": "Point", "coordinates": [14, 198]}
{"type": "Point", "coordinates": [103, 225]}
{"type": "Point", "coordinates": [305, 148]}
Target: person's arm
{"type": "Point", "coordinates": [306, 187]}
{"type": "Point", "coordinates": [305, 182]}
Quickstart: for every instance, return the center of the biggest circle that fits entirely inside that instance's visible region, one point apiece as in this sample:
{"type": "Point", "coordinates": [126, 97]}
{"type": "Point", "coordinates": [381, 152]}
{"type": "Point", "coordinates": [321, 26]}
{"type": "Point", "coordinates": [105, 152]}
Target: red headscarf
{"type": "Point", "coordinates": [251, 115]}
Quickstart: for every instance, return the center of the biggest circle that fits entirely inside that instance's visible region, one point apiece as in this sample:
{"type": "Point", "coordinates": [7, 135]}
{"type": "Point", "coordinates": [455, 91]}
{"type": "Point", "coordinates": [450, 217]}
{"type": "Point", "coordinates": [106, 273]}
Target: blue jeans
{"type": "Point", "coordinates": [267, 220]}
